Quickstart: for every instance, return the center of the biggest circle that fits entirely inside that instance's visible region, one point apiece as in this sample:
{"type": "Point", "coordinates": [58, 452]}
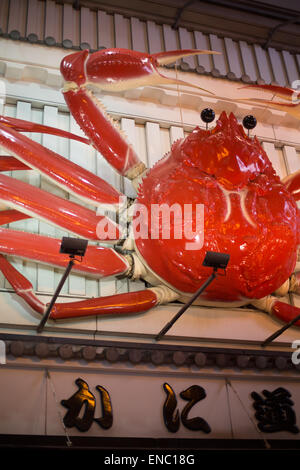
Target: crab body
{"type": "Point", "coordinates": [220, 178]}
{"type": "Point", "coordinates": [248, 213]}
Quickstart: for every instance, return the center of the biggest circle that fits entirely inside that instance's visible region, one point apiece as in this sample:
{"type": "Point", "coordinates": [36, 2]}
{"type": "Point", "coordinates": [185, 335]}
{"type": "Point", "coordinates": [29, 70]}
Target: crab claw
{"type": "Point", "coordinates": [122, 69]}
{"type": "Point", "coordinates": [113, 70]}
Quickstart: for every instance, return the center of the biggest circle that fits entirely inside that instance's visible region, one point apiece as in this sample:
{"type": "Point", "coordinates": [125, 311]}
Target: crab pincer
{"type": "Point", "coordinates": [113, 70]}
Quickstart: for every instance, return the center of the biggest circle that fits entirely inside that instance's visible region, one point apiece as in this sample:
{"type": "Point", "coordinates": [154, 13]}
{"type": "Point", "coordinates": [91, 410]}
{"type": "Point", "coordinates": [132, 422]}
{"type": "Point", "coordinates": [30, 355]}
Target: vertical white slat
{"type": "Point", "coordinates": [170, 38]}
{"type": "Point", "coordinates": [298, 60]}
{"type": "Point", "coordinates": [290, 67]}
{"type": "Point", "coordinates": [92, 288]}
{"type": "Point", "coordinates": [23, 111]}
{"type": "Point", "coordinates": [2, 279]}
{"type": "Point", "coordinates": [88, 29]}
{"type": "Point", "coordinates": [204, 60]}
{"type": "Point", "coordinates": [106, 33]}
{"type": "Point", "coordinates": [176, 133]}
{"type": "Point", "coordinates": [70, 33]}
{"type": "Point", "coordinates": [186, 42]}
{"type": "Point", "coordinates": [53, 23]}
{"type": "Point", "coordinates": [46, 276]}
{"type": "Point", "coordinates": [106, 172]}
{"type": "Point", "coordinates": [10, 111]}
{"type": "Point", "coordinates": [155, 37]}
{"type": "Point", "coordinates": [277, 66]}
{"type": "Point", "coordinates": [79, 154]}
{"type": "Point", "coordinates": [17, 19]}
{"type": "Point", "coordinates": [107, 287]}
{"type": "Point", "coordinates": [63, 149]}
{"type": "Point", "coordinates": [138, 35]}
{"type": "Point", "coordinates": [248, 61]}
{"type": "Point", "coordinates": [30, 268]}
{"type": "Point", "coordinates": [122, 32]}
{"type": "Point", "coordinates": [165, 142]}
{"type": "Point", "coordinates": [4, 10]}
{"type": "Point", "coordinates": [122, 286]}
{"type": "Point", "coordinates": [276, 157]}
{"type": "Point", "coordinates": [292, 159]}
{"type": "Point", "coordinates": [35, 21]}
{"type": "Point", "coordinates": [234, 60]}
{"type": "Point", "coordinates": [153, 140]}
{"type": "Point", "coordinates": [128, 126]}
{"type": "Point", "coordinates": [263, 64]}
{"type": "Point", "coordinates": [217, 44]}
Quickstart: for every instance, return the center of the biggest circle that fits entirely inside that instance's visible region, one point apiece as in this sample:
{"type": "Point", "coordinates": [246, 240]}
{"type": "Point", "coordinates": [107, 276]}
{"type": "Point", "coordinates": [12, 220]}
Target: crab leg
{"type": "Point", "coordinates": [8, 163]}
{"type": "Point", "coordinates": [11, 215]}
{"type": "Point", "coordinates": [280, 310]}
{"type": "Point", "coordinates": [71, 177]}
{"type": "Point", "coordinates": [27, 126]}
{"type": "Point", "coordinates": [98, 261]}
{"type": "Point", "coordinates": [292, 183]}
{"type": "Point", "coordinates": [59, 212]}
{"type": "Point", "coordinates": [129, 303]}
{"type": "Point", "coordinates": [21, 285]}
{"type": "Point", "coordinates": [112, 70]}
{"type": "Point", "coordinates": [119, 304]}
{"type": "Point", "coordinates": [279, 91]}
{"type": "Point", "coordinates": [292, 107]}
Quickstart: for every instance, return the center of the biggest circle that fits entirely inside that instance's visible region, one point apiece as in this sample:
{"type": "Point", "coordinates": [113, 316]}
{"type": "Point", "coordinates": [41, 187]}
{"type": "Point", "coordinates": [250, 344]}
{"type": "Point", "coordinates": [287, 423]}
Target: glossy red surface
{"type": "Point", "coordinates": [120, 68]}
{"type": "Point", "coordinates": [27, 126]}
{"type": "Point", "coordinates": [57, 211]}
{"type": "Point", "coordinates": [8, 163]}
{"type": "Point", "coordinates": [114, 70]}
{"type": "Point", "coordinates": [248, 213]}
{"type": "Point", "coordinates": [98, 261]}
{"type": "Point", "coordinates": [292, 183]}
{"type": "Point", "coordinates": [285, 312]}
{"type": "Point", "coordinates": [101, 132]}
{"type": "Point", "coordinates": [65, 173]}
{"type": "Point", "coordinates": [121, 304]}
{"type": "Point", "coordinates": [21, 285]}
{"type": "Point", "coordinates": [11, 215]}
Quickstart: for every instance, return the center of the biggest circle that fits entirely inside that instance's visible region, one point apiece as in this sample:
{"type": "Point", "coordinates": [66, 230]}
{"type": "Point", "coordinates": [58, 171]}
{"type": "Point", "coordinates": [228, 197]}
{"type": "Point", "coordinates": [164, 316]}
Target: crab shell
{"type": "Point", "coordinates": [248, 213]}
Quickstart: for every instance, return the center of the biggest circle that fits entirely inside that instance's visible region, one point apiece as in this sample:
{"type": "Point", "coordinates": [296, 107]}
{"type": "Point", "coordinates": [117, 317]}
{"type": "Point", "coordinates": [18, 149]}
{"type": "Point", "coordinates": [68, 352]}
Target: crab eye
{"type": "Point", "coordinates": [249, 122]}
{"type": "Point", "coordinates": [207, 115]}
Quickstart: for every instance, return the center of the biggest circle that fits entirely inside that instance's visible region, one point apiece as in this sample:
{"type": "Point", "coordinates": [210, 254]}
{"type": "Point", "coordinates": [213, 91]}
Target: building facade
{"type": "Point", "coordinates": [105, 381]}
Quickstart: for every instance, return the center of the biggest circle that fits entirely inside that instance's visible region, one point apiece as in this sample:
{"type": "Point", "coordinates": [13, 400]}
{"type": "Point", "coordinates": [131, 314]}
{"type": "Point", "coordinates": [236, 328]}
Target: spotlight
{"type": "Point", "coordinates": [216, 260]}
{"type": "Point", "coordinates": [72, 247]}
{"type": "Point", "coordinates": [213, 260]}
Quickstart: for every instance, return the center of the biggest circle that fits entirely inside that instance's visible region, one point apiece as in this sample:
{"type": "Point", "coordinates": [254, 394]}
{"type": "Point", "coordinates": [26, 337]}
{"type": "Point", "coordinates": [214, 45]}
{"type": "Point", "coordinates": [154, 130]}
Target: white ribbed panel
{"type": "Point", "coordinates": [60, 24]}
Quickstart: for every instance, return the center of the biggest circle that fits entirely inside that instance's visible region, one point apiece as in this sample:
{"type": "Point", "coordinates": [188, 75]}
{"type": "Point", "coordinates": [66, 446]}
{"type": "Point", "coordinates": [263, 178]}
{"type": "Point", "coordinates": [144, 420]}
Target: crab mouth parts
{"type": "Point", "coordinates": [242, 195]}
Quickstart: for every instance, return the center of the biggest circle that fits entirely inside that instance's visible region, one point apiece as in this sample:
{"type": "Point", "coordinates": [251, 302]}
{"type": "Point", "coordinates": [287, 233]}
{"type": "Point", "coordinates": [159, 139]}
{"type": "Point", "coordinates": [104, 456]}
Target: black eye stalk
{"type": "Point", "coordinates": [249, 122]}
{"type": "Point", "coordinates": [207, 115]}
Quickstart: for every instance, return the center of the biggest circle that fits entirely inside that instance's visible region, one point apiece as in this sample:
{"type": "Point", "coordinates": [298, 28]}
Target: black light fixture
{"type": "Point", "coordinates": [72, 247]}
{"type": "Point", "coordinates": [280, 331]}
{"type": "Point", "coordinates": [212, 259]}
{"type": "Point", "coordinates": [207, 115]}
{"type": "Point", "coordinates": [249, 122]}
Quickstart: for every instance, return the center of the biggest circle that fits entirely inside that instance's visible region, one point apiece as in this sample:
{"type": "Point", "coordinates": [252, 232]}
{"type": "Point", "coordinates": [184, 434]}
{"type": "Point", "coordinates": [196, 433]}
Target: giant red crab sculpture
{"type": "Point", "coordinates": [248, 212]}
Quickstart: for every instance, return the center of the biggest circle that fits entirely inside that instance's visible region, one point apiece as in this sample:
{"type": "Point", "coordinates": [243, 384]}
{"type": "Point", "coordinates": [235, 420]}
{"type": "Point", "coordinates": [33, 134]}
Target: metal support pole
{"type": "Point", "coordinates": [56, 294]}
{"type": "Point", "coordinates": [279, 332]}
{"type": "Point", "coordinates": [186, 306]}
